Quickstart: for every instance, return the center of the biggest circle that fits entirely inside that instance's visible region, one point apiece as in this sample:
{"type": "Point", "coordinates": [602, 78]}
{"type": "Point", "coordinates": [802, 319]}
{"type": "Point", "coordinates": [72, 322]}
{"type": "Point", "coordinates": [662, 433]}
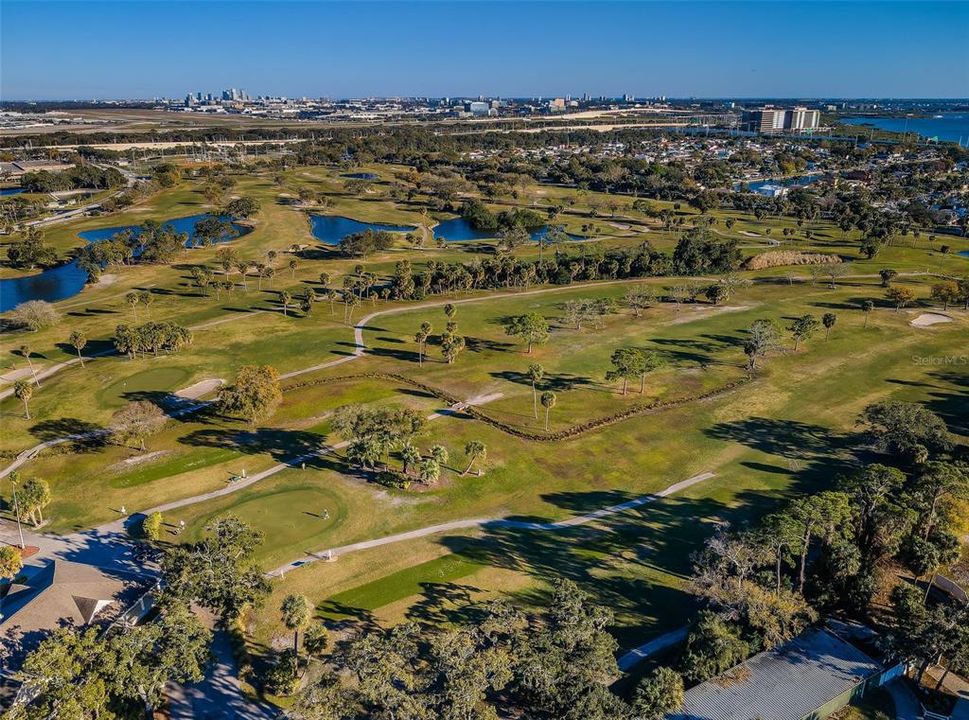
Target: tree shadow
{"type": "Point", "coordinates": [92, 436]}
{"type": "Point", "coordinates": [282, 445]}
{"type": "Point", "coordinates": [787, 438]}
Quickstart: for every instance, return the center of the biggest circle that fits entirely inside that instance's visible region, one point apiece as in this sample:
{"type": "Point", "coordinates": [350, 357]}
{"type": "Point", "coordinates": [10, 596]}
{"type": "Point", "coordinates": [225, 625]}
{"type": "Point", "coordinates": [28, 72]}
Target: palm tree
{"type": "Point", "coordinates": [296, 615]}
{"type": "Point", "coordinates": [146, 298]}
{"type": "Point", "coordinates": [351, 301]}
{"type": "Point", "coordinates": [866, 307]}
{"type": "Point", "coordinates": [410, 456]}
{"type": "Point", "coordinates": [429, 471]}
{"type": "Point", "coordinates": [535, 374]}
{"type": "Point", "coordinates": [133, 298]}
{"type": "Point", "coordinates": [78, 340]}
{"type": "Point", "coordinates": [244, 266]}
{"type": "Point", "coordinates": [548, 402]}
{"type": "Point", "coordinates": [450, 311]}
{"type": "Point", "coordinates": [285, 298]}
{"type": "Point", "coordinates": [26, 352]}
{"type": "Point", "coordinates": [421, 339]}
{"type": "Point", "coordinates": [475, 450]}
{"type": "Point", "coordinates": [828, 320]}
{"type": "Point", "coordinates": [293, 264]}
{"type": "Point", "coordinates": [23, 390]}
{"type": "Point", "coordinates": [440, 454]}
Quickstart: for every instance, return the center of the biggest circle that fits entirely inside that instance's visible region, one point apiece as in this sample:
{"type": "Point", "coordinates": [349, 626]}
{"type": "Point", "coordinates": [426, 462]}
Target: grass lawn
{"type": "Point", "coordinates": [789, 431]}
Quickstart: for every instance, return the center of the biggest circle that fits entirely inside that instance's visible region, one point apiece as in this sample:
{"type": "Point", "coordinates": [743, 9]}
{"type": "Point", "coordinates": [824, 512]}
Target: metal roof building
{"type": "Point", "coordinates": [811, 676]}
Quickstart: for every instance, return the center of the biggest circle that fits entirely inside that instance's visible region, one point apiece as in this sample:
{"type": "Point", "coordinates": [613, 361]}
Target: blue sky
{"type": "Point", "coordinates": [81, 50]}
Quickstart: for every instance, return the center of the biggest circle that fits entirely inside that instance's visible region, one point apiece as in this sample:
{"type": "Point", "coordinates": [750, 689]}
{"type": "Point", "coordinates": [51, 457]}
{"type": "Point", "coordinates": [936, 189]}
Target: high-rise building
{"type": "Point", "coordinates": [800, 119]}
{"type": "Point", "coordinates": [770, 120]}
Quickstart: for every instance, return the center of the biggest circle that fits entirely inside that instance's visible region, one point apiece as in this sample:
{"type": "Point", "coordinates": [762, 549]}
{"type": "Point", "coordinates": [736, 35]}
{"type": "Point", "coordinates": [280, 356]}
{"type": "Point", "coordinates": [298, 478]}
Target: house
{"type": "Point", "coordinates": [810, 677]}
{"type": "Point", "coordinates": [52, 594]}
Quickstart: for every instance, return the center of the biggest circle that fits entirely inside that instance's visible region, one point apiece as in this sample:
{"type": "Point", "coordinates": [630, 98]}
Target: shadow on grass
{"type": "Point", "coordinates": [281, 445]}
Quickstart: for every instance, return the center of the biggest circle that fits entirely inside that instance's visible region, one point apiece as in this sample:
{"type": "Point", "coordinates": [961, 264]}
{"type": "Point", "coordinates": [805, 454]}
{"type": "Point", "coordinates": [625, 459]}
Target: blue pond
{"type": "Point", "coordinates": [67, 280]}
{"type": "Point", "coordinates": [11, 191]}
{"type": "Point", "coordinates": [331, 229]}
{"type": "Point", "coordinates": [360, 176]}
{"type": "Point", "coordinates": [964, 253]}
{"type": "Point", "coordinates": [460, 230]}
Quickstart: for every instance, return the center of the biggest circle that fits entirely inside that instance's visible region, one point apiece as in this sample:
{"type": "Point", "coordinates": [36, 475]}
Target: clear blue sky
{"type": "Point", "coordinates": [81, 50]}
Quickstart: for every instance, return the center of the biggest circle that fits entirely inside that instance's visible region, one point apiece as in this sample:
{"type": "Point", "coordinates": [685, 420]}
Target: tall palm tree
{"type": "Point", "coordinates": [475, 450]}
{"type": "Point", "coordinates": [23, 391]}
{"type": "Point", "coordinates": [25, 352]}
{"type": "Point", "coordinates": [296, 615]}
{"type": "Point", "coordinates": [421, 339]}
{"type": "Point", "coordinates": [535, 374]}
{"type": "Point", "coordinates": [548, 402]}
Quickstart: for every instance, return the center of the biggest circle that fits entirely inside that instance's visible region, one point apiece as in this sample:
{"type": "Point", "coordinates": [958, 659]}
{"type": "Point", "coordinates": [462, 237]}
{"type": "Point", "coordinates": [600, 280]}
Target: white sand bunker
{"type": "Point", "coordinates": [201, 388]}
{"type": "Point", "coordinates": [927, 319]}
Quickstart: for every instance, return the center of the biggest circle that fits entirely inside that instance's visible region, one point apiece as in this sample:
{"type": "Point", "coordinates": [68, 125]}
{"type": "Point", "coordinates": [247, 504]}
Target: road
{"type": "Point", "coordinates": [219, 695]}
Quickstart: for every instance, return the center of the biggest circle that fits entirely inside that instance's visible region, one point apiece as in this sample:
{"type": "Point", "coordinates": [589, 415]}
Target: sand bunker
{"type": "Point", "coordinates": [927, 319]}
{"type": "Point", "coordinates": [200, 389]}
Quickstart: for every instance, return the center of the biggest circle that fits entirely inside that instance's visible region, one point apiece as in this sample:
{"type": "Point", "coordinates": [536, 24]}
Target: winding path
{"type": "Point", "coordinates": [359, 350]}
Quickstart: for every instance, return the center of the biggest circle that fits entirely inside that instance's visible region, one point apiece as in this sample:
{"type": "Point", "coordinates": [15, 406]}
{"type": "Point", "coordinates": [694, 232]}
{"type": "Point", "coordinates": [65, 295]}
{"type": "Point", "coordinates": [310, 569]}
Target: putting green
{"type": "Point", "coordinates": [161, 379]}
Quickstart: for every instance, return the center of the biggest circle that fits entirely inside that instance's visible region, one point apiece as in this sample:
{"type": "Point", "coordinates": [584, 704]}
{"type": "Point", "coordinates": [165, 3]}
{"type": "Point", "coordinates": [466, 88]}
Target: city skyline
{"type": "Point", "coordinates": [611, 49]}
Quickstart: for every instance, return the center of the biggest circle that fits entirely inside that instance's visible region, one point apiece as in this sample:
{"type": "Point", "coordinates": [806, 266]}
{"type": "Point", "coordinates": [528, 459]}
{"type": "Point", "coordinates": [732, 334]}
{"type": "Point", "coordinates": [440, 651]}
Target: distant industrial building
{"type": "Point", "coordinates": [770, 120]}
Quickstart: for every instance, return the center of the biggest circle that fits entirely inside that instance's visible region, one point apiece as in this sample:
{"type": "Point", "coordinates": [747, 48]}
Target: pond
{"type": "Point", "coordinates": [756, 185]}
{"type": "Point", "coordinates": [67, 280]}
{"type": "Point", "coordinates": [460, 230]}
{"type": "Point", "coordinates": [331, 229]}
{"type": "Point", "coordinates": [360, 176]}
{"type": "Point", "coordinates": [11, 191]}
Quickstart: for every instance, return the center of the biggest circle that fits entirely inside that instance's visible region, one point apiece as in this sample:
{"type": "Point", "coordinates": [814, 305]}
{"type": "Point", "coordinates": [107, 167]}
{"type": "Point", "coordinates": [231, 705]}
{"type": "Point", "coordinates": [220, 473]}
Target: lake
{"type": "Point", "coordinates": [67, 280]}
{"type": "Point", "coordinates": [460, 230]}
{"type": "Point", "coordinates": [331, 229]}
{"type": "Point", "coordinates": [953, 127]}
{"type": "Point", "coordinates": [11, 191]}
{"type": "Point", "coordinates": [756, 185]}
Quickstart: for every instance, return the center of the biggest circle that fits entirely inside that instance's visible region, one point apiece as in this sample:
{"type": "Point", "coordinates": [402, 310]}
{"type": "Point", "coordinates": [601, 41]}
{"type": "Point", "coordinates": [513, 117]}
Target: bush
{"type": "Point", "coordinates": [35, 315]}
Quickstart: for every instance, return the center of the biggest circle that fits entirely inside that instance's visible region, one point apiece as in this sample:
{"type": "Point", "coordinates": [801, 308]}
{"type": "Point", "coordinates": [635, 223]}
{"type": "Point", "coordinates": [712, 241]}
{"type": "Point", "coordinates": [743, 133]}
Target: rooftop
{"type": "Point", "coordinates": [786, 683]}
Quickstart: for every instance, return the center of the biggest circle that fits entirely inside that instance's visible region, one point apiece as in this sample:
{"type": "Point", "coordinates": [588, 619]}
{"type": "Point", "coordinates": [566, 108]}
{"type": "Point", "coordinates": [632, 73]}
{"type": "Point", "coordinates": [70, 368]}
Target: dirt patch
{"type": "Point", "coordinates": [138, 459]}
{"type": "Point", "coordinates": [929, 319]}
{"type": "Point", "coordinates": [748, 233]}
{"type": "Point", "coordinates": [695, 312]}
{"type": "Point", "coordinates": [200, 389]}
{"type": "Point", "coordinates": [107, 279]}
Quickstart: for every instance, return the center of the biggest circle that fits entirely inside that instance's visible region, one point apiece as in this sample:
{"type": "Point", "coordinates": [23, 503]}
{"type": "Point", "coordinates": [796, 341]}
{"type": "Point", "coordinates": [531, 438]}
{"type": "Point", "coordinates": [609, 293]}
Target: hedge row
{"type": "Point", "coordinates": [571, 432]}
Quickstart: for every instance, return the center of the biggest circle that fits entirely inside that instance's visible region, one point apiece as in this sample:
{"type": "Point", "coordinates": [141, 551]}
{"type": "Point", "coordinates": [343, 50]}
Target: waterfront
{"type": "Point", "coordinates": [331, 229]}
{"type": "Point", "coordinates": [66, 280]}
{"type": "Point", "coordinates": [953, 127]}
{"type": "Point", "coordinates": [460, 230]}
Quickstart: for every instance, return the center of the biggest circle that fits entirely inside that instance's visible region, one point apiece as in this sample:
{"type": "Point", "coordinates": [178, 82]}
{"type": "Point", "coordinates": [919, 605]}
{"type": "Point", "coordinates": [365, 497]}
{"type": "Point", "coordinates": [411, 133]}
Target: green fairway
{"type": "Point", "coordinates": [145, 382]}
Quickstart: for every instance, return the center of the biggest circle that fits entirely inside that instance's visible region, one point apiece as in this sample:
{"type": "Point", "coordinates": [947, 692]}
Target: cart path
{"type": "Point", "coordinates": [297, 461]}
{"type": "Point", "coordinates": [485, 523]}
